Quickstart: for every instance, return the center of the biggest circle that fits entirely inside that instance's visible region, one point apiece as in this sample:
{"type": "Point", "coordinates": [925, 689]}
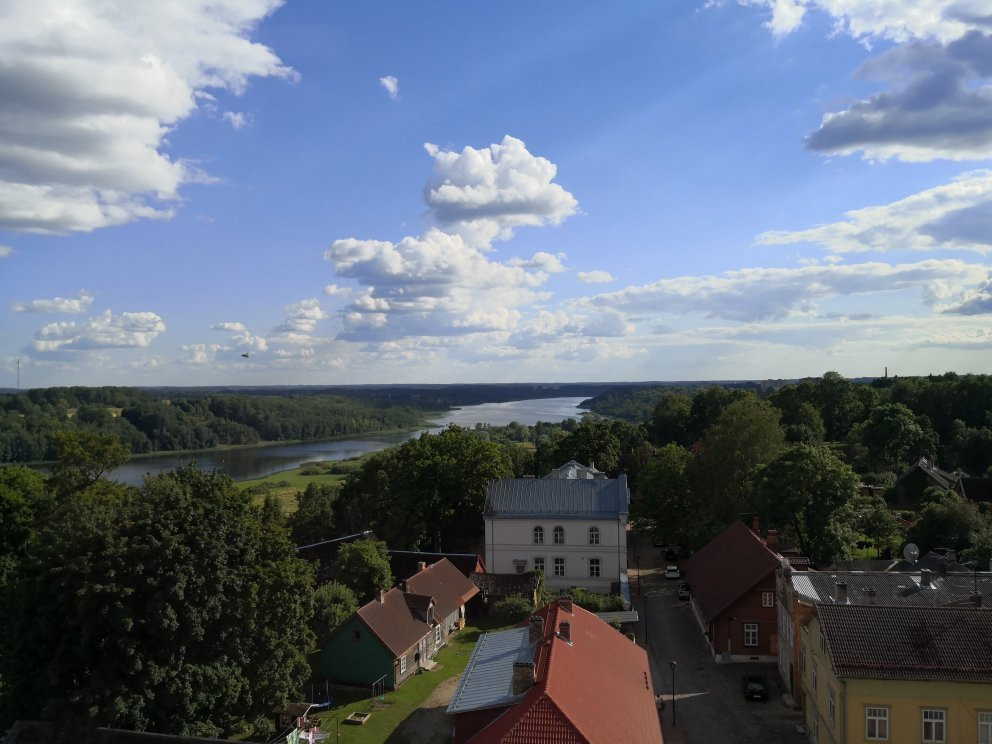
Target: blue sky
{"type": "Point", "coordinates": [483, 192]}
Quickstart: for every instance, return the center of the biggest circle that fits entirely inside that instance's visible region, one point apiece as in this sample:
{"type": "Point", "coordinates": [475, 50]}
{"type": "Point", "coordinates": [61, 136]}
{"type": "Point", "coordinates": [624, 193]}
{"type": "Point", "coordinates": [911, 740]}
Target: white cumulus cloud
{"type": "Point", "coordinates": [92, 89]}
{"type": "Point", "coordinates": [232, 327]}
{"type": "Point", "coordinates": [6, 250]}
{"type": "Point", "coordinates": [79, 304]}
{"type": "Point", "coordinates": [595, 277]}
{"type": "Point", "coordinates": [237, 119]}
{"type": "Point", "coordinates": [391, 85]}
{"type": "Point", "coordinates": [103, 331]}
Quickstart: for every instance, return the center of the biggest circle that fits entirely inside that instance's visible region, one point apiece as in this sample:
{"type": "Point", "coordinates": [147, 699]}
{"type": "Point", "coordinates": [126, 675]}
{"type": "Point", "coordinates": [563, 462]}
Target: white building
{"type": "Point", "coordinates": [574, 530]}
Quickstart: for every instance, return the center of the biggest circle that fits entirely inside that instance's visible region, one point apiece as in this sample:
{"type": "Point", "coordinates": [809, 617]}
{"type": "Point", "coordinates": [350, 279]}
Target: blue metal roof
{"type": "Point", "coordinates": [575, 498]}
{"type": "Point", "coordinates": [487, 681]}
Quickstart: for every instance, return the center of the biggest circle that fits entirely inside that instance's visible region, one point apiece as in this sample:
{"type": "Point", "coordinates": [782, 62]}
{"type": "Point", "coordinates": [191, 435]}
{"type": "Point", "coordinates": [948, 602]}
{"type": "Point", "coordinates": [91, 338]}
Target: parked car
{"type": "Point", "coordinates": [672, 572]}
{"type": "Point", "coordinates": [755, 687]}
{"type": "Point", "coordinates": [685, 590]}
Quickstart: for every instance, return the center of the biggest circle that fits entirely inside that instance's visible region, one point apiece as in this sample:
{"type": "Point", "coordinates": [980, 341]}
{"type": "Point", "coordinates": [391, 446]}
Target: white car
{"type": "Point", "coordinates": [672, 572]}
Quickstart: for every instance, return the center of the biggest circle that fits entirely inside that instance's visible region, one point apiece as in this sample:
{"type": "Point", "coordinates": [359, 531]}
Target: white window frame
{"type": "Point", "coordinates": [768, 599]}
{"type": "Point", "coordinates": [595, 567]}
{"type": "Point", "coordinates": [538, 533]}
{"type": "Point", "coordinates": [750, 632]}
{"type": "Point", "coordinates": [403, 664]}
{"type": "Point", "coordinates": [831, 704]}
{"type": "Point", "coordinates": [879, 715]}
{"type": "Point", "coordinates": [937, 720]}
{"type": "Point", "coordinates": [559, 535]}
{"type": "Point", "coordinates": [539, 563]}
{"type": "Point", "coordinates": [594, 535]}
{"type": "Point", "coordinates": [559, 562]}
{"type": "Point", "coordinates": [437, 634]}
{"type": "Point", "coordinates": [985, 727]}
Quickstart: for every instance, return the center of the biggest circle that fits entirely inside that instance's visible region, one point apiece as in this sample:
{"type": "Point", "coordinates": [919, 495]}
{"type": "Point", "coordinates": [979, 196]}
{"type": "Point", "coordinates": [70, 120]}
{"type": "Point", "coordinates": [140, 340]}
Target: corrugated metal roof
{"type": "Point", "coordinates": [487, 681]}
{"type": "Point", "coordinates": [562, 498]}
{"type": "Point", "coordinates": [620, 616]}
{"type": "Point", "coordinates": [890, 588]}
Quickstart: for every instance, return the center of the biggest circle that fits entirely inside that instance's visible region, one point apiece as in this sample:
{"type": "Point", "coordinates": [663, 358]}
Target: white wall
{"type": "Point", "coordinates": [510, 539]}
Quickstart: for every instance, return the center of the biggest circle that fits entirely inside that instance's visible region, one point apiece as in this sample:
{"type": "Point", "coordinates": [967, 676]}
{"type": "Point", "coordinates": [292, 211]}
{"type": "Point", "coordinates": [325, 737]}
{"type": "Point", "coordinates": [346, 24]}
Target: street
{"type": "Point", "coordinates": [709, 704]}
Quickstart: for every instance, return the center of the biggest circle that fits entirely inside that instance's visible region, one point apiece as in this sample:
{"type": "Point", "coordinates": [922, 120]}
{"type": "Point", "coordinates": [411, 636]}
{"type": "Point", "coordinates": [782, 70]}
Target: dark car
{"type": "Point", "coordinates": [685, 590]}
{"type": "Point", "coordinates": [755, 687]}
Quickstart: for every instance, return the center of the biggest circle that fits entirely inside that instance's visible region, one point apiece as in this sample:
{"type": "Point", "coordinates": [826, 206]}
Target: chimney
{"type": "Point", "coordinates": [382, 596]}
{"type": "Point", "coordinates": [840, 592]}
{"type": "Point", "coordinates": [755, 525]}
{"type": "Point", "coordinates": [976, 600]}
{"type": "Point", "coordinates": [951, 555]}
{"type": "Point", "coordinates": [592, 464]}
{"type": "Point", "coordinates": [772, 540]}
{"type": "Point", "coordinates": [870, 596]}
{"type": "Point", "coordinates": [565, 603]}
{"type": "Point", "coordinates": [565, 631]}
{"type": "Point", "coordinates": [421, 565]}
{"type": "Point", "coordinates": [536, 629]}
{"type": "Point", "coordinates": [942, 568]}
{"type": "Point", "coordinates": [523, 676]}
{"type": "Point", "coordinates": [924, 579]}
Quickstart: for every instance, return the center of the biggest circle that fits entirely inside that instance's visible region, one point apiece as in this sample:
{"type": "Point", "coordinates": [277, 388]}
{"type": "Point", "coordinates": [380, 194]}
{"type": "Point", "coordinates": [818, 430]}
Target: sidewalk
{"type": "Point", "coordinates": [671, 735]}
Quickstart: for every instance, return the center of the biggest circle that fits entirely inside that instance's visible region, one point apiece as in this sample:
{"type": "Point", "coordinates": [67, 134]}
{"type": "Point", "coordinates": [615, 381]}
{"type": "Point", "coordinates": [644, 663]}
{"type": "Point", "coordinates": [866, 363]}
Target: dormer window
{"type": "Point", "coordinates": [559, 535]}
{"type": "Point", "coordinates": [594, 535]}
{"type": "Point", "coordinates": [430, 614]}
{"type": "Point", "coordinates": [538, 535]}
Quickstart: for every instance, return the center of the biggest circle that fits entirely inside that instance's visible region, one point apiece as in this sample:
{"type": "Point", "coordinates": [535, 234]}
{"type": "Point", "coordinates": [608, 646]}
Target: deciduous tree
{"type": "Point", "coordinates": [363, 567]}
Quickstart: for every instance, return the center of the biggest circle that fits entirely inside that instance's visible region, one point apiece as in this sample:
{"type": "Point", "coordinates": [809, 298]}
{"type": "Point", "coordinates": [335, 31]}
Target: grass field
{"type": "Point", "coordinates": [284, 485]}
{"type": "Point", "coordinates": [390, 713]}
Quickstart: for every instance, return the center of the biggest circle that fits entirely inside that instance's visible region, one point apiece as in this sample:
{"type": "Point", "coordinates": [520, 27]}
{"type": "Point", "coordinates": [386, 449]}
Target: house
{"type": "Point", "coordinates": [898, 674]}
{"type": "Point", "coordinates": [920, 476]}
{"type": "Point", "coordinates": [565, 677]}
{"type": "Point", "coordinates": [398, 633]}
{"type": "Point", "coordinates": [405, 562]}
{"type": "Point", "coordinates": [574, 530]}
{"type": "Point", "coordinates": [572, 470]}
{"type": "Point", "coordinates": [800, 592]}
{"type": "Point", "coordinates": [733, 594]}
{"type": "Point", "coordinates": [324, 553]}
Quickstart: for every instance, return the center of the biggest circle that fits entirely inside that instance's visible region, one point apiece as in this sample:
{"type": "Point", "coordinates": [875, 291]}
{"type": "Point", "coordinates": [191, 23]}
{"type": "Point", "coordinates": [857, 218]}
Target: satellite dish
{"type": "Point", "coordinates": [911, 552]}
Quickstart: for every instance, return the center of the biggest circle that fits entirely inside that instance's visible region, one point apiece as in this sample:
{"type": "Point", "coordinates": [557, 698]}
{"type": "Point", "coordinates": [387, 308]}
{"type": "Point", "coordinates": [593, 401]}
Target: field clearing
{"type": "Point", "coordinates": [284, 484]}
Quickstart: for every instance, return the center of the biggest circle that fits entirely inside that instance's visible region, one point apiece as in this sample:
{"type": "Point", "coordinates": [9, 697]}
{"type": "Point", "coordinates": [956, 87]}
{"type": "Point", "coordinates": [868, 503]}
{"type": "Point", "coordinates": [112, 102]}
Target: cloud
{"type": "Point", "coordinates": [232, 327]}
{"type": "Point", "coordinates": [333, 290]}
{"type": "Point", "coordinates": [484, 194]}
{"type": "Point", "coordinates": [940, 105]}
{"type": "Point", "coordinates": [950, 216]}
{"type": "Point", "coordinates": [392, 86]}
{"type": "Point", "coordinates": [302, 317]}
{"type": "Point", "coordinates": [200, 354]}
{"type": "Point", "coordinates": [6, 250]}
{"type": "Point", "coordinates": [977, 302]}
{"type": "Point", "coordinates": [78, 304]}
{"type": "Point", "coordinates": [541, 261]}
{"type": "Point", "coordinates": [237, 119]}
{"type": "Point", "coordinates": [755, 294]}
{"type": "Point", "coordinates": [104, 331]}
{"type": "Point", "coordinates": [595, 277]}
{"type": "Point", "coordinates": [91, 91]}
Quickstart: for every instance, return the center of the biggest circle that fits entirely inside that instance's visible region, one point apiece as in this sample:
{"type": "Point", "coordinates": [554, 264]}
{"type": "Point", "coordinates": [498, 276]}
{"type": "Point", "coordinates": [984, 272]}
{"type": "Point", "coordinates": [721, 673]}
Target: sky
{"type": "Point", "coordinates": [254, 192]}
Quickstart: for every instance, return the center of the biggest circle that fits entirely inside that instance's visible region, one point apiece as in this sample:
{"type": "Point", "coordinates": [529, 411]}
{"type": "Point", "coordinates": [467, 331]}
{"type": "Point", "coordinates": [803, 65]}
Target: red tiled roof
{"type": "Point", "coordinates": [445, 583]}
{"type": "Point", "coordinates": [728, 566]}
{"type": "Point", "coordinates": [595, 689]}
{"type": "Point", "coordinates": [914, 643]}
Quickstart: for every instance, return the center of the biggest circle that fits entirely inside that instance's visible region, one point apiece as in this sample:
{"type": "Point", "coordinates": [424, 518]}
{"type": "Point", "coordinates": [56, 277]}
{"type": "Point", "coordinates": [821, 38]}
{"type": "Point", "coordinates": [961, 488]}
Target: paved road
{"type": "Point", "coordinates": [709, 704]}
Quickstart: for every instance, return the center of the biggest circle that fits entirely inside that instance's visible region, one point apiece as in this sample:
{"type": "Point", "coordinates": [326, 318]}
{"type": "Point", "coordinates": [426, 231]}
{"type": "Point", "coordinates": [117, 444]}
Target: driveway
{"type": "Point", "coordinates": [709, 704]}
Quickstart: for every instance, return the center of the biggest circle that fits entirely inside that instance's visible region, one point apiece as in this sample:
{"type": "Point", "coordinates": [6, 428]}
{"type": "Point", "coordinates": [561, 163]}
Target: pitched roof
{"type": "Point", "coordinates": [563, 498]}
{"type": "Point", "coordinates": [488, 678]}
{"type": "Point", "coordinates": [445, 583]}
{"type": "Point", "coordinates": [916, 643]}
{"type": "Point", "coordinates": [890, 588]}
{"type": "Point", "coordinates": [949, 481]}
{"type": "Point", "coordinates": [595, 689]}
{"type": "Point", "coordinates": [728, 566]}
{"type": "Point", "coordinates": [404, 562]}
{"type": "Point", "coordinates": [394, 619]}
{"type": "Point", "coordinates": [574, 469]}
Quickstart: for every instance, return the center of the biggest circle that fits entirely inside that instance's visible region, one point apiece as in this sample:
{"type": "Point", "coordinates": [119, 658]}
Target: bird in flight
{"type": "Point", "coordinates": [245, 355]}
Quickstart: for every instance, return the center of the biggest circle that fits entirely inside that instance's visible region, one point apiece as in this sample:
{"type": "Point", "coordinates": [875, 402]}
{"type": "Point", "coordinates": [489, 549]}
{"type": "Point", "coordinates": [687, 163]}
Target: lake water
{"type": "Point", "coordinates": [246, 463]}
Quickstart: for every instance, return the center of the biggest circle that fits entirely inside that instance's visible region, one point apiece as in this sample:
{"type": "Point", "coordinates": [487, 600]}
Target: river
{"type": "Point", "coordinates": [245, 463]}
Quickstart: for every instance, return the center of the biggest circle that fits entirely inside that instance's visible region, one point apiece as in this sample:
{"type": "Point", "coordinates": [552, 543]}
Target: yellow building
{"type": "Point", "coordinates": [907, 675]}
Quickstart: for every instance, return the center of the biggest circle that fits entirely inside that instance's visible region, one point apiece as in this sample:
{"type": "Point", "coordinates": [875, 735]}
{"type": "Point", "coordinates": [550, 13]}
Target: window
{"type": "Point", "coordinates": [831, 703]}
{"type": "Point", "coordinates": [594, 568]}
{"type": "Point", "coordinates": [559, 566]}
{"type": "Point", "coordinates": [437, 635]}
{"type": "Point", "coordinates": [403, 664]}
{"type": "Point", "coordinates": [984, 727]}
{"type": "Point", "coordinates": [750, 634]}
{"type": "Point", "coordinates": [538, 535]}
{"type": "Point", "coordinates": [594, 535]}
{"type": "Point", "coordinates": [559, 535]}
{"type": "Point", "coordinates": [539, 563]}
{"type": "Point", "coordinates": [520, 566]}
{"type": "Point", "coordinates": [814, 678]}
{"type": "Point", "coordinates": [877, 723]}
{"type": "Point", "coordinates": [768, 599]}
{"type": "Point", "coordinates": [933, 726]}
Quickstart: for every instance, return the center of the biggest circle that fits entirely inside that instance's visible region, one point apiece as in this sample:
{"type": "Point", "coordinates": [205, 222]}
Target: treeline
{"type": "Point", "coordinates": [147, 421]}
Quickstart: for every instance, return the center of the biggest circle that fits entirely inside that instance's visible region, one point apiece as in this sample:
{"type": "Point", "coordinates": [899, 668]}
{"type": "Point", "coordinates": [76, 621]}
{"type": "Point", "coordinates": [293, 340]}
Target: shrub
{"type": "Point", "coordinates": [511, 610]}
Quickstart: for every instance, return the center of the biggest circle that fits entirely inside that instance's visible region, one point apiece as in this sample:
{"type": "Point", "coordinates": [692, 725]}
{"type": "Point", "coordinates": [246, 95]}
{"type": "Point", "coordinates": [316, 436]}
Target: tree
{"type": "Point", "coordinates": [593, 442]}
{"type": "Point", "coordinates": [665, 506]}
{"type": "Point", "coordinates": [707, 407]}
{"type": "Point", "coordinates": [746, 435]}
{"type": "Point", "coordinates": [670, 420]}
{"type": "Point", "coordinates": [84, 458]}
{"type": "Point", "coordinates": [877, 522]}
{"type": "Point", "coordinates": [840, 404]}
{"type": "Point", "coordinates": [175, 609]}
{"type": "Point", "coordinates": [894, 436]}
{"type": "Point", "coordinates": [313, 519]}
{"type": "Point", "coordinates": [332, 604]}
{"type": "Point", "coordinates": [363, 567]}
{"type": "Point", "coordinates": [24, 503]}
{"type": "Point", "coordinates": [947, 522]}
{"type": "Point", "coordinates": [807, 493]}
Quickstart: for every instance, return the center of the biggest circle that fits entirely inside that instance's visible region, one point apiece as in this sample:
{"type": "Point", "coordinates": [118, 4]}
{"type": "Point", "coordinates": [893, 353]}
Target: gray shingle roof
{"type": "Point", "coordinates": [890, 588]}
{"type": "Point", "coordinates": [919, 643]}
{"type": "Point", "coordinates": [487, 681]}
{"type": "Point", "coordinates": [576, 499]}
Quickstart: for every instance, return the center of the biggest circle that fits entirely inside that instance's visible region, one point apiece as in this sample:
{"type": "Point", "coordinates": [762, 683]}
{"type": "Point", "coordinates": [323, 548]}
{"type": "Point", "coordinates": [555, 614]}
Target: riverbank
{"type": "Point", "coordinates": [285, 484]}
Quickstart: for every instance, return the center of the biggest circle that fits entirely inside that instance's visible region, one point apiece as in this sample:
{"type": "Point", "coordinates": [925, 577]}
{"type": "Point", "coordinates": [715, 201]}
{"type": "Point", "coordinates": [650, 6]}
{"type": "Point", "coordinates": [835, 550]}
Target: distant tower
{"type": "Point", "coordinates": [886, 373]}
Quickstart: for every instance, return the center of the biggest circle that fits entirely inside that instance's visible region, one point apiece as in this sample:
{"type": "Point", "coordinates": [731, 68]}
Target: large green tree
{"type": "Point", "coordinates": [313, 519]}
{"type": "Point", "coordinates": [946, 521]}
{"type": "Point", "coordinates": [665, 505]}
{"type": "Point", "coordinates": [807, 493]}
{"type": "Point", "coordinates": [332, 604]}
{"type": "Point", "coordinates": [176, 609]}
{"type": "Point", "coordinates": [363, 567]}
{"type": "Point", "coordinates": [894, 436]}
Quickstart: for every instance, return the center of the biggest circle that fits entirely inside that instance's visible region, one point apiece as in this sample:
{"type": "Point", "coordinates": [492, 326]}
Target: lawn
{"type": "Point", "coordinates": [284, 484]}
{"type": "Point", "coordinates": [389, 713]}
